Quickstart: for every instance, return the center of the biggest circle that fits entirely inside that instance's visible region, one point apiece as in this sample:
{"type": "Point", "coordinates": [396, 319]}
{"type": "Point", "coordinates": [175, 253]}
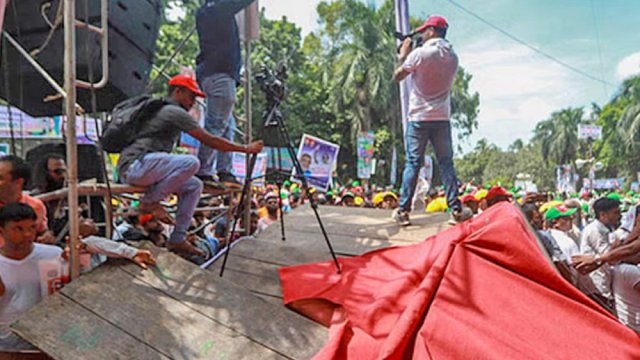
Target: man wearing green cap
{"type": "Point", "coordinates": [561, 221]}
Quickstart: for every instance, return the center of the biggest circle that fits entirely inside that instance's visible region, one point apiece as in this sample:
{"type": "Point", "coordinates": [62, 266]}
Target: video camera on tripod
{"type": "Point", "coordinates": [273, 83]}
{"type": "Point", "coordinates": [416, 39]}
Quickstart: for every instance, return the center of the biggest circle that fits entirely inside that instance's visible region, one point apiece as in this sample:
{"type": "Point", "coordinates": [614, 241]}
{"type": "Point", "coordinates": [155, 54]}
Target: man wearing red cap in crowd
{"type": "Point", "coordinates": [471, 202]}
{"type": "Point", "coordinates": [433, 68]}
{"type": "Point", "coordinates": [497, 194]}
{"type": "Point", "coordinates": [148, 162]}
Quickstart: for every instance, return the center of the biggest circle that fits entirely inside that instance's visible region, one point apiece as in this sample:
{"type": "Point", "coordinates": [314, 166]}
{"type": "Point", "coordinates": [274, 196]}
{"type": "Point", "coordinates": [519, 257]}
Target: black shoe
{"type": "Point", "coordinates": [211, 181]}
{"type": "Point", "coordinates": [229, 180]}
{"type": "Point", "coordinates": [460, 215]}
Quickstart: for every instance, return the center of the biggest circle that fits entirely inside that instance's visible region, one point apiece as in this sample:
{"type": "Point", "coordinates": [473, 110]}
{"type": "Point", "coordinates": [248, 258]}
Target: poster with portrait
{"type": "Point", "coordinates": [366, 149]}
{"type": "Point", "coordinates": [317, 159]}
{"type": "Point", "coordinates": [566, 179]}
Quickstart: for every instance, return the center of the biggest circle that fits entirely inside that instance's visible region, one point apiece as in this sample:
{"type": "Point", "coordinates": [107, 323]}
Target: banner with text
{"type": "Point", "coordinates": [259, 170]}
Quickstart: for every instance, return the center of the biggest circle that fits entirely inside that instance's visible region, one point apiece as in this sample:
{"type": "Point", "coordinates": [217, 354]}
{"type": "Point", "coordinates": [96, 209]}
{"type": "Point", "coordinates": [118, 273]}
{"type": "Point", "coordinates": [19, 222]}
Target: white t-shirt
{"type": "Point", "coordinates": [433, 68]}
{"type": "Point", "coordinates": [565, 243]}
{"type": "Point", "coordinates": [27, 282]}
{"type": "Point", "coordinates": [626, 292]}
{"type": "Point", "coordinates": [596, 240]}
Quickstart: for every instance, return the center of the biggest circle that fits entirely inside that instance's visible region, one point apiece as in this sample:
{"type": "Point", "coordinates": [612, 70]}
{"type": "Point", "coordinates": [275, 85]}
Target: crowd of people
{"type": "Point", "coordinates": [595, 235]}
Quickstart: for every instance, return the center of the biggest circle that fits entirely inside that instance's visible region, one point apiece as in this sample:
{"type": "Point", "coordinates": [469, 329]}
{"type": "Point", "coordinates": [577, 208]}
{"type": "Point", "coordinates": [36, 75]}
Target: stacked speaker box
{"type": "Point", "coordinates": [133, 30]}
{"type": "Point", "coordinates": [89, 160]}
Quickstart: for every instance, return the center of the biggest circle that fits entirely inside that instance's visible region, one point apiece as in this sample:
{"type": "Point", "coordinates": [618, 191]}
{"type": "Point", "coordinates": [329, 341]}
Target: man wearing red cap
{"type": "Point", "coordinates": [433, 68]}
{"type": "Point", "coordinates": [148, 162]}
{"type": "Point", "coordinates": [497, 194]}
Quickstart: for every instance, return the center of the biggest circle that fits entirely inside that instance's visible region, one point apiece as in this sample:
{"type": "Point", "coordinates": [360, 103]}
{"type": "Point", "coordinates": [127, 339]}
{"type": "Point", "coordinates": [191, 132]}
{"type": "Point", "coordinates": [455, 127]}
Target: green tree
{"type": "Point", "coordinates": [172, 32]}
{"type": "Point", "coordinates": [558, 136]}
{"type": "Point", "coordinates": [359, 60]}
{"type": "Point", "coordinates": [627, 105]}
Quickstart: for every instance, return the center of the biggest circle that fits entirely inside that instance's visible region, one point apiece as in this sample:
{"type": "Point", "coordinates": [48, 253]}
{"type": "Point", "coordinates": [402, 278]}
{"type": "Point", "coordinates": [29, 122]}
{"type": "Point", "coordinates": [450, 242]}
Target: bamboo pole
{"type": "Point", "coordinates": [248, 130]}
{"type": "Point", "coordinates": [70, 111]}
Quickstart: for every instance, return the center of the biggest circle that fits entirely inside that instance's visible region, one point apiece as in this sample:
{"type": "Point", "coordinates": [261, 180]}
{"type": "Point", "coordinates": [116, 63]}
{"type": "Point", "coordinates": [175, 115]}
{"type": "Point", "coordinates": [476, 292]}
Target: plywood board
{"type": "Point", "coordinates": [65, 330]}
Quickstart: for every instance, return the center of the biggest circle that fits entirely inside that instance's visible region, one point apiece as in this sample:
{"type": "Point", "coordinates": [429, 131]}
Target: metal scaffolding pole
{"type": "Point", "coordinates": [402, 26]}
{"type": "Point", "coordinates": [248, 130]}
{"type": "Point", "coordinates": [70, 111]}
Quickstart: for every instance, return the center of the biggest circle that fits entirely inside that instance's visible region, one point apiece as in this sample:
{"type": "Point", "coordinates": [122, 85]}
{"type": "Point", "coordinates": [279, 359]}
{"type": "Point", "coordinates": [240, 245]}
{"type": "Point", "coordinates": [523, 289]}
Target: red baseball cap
{"type": "Point", "coordinates": [468, 198]}
{"type": "Point", "coordinates": [497, 191]}
{"type": "Point", "coordinates": [187, 83]}
{"type": "Point", "coordinates": [434, 21]}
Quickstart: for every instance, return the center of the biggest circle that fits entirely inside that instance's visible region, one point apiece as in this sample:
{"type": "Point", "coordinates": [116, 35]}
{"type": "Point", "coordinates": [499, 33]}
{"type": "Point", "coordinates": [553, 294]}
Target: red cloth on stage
{"type": "Point", "coordinates": [480, 290]}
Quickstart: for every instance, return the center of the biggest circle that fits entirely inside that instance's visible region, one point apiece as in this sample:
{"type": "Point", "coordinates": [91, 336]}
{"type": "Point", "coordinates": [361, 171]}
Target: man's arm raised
{"type": "Point", "coordinates": [401, 73]}
{"type": "Point", "coordinates": [222, 144]}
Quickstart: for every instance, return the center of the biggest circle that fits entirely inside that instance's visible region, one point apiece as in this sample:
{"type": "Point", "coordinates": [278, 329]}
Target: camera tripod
{"type": "Point", "coordinates": [273, 118]}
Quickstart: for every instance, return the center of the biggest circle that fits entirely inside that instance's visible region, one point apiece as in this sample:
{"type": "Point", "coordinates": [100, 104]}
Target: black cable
{"type": "Point", "coordinates": [597, 31]}
{"type": "Point", "coordinates": [7, 90]}
{"type": "Point", "coordinates": [14, 14]}
{"type": "Point", "coordinates": [524, 43]}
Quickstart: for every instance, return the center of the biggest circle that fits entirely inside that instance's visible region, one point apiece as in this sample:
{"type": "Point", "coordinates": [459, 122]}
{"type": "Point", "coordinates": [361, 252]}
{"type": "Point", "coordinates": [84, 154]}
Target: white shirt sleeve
{"type": "Point", "coordinates": [102, 246]}
{"type": "Point", "coordinates": [414, 60]}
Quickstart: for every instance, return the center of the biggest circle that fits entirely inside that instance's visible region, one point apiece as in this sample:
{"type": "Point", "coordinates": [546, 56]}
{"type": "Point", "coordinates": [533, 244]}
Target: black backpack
{"type": "Point", "coordinates": [126, 122]}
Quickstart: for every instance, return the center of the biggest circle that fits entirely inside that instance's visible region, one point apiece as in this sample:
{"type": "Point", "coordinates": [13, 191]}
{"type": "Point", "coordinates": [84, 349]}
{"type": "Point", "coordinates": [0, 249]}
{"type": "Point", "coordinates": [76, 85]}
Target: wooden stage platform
{"type": "Point", "coordinates": [179, 311]}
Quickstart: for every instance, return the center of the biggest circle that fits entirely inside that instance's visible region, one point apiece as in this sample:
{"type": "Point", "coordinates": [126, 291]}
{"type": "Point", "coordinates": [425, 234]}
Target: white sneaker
{"type": "Point", "coordinates": [401, 217]}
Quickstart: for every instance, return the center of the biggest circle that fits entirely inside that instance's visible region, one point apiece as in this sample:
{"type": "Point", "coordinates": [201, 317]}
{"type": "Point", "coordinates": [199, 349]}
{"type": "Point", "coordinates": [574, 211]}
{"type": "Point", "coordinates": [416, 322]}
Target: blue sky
{"type": "Point", "coordinates": [517, 86]}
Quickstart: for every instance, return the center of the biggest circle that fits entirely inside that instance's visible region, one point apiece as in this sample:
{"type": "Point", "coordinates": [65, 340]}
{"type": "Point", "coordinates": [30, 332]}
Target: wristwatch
{"type": "Point", "coordinates": [598, 260]}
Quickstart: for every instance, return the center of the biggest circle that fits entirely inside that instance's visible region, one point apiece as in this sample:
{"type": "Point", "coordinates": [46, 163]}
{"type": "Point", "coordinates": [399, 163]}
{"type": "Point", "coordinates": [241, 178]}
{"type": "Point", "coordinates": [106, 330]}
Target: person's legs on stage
{"type": "Point", "coordinates": [164, 174]}
{"type": "Point", "coordinates": [224, 161]}
{"type": "Point", "coordinates": [221, 97]}
{"type": "Point", "coordinates": [416, 142]}
{"type": "Point", "coordinates": [440, 137]}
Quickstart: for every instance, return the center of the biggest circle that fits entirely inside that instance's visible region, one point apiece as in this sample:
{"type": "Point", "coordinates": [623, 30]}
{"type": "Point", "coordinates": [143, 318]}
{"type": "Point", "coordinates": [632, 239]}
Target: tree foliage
{"type": "Point", "coordinates": [339, 77]}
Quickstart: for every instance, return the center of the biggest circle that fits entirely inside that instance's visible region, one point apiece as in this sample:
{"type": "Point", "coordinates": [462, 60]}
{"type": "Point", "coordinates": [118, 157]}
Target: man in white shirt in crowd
{"type": "Point", "coordinates": [30, 271]}
{"type": "Point", "coordinates": [596, 241]}
{"type": "Point", "coordinates": [625, 273]}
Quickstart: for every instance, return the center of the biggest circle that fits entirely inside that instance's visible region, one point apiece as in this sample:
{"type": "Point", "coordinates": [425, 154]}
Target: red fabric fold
{"type": "Point", "coordinates": [480, 290]}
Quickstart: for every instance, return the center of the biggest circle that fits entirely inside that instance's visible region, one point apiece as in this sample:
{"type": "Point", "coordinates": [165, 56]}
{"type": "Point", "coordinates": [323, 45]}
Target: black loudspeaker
{"type": "Point", "coordinates": [89, 161]}
{"type": "Point", "coordinates": [133, 30]}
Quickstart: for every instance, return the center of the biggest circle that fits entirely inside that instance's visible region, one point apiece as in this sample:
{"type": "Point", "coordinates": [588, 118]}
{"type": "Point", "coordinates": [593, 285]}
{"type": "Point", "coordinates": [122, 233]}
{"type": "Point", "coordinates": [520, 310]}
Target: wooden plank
{"type": "Point", "coordinates": [360, 223]}
{"type": "Point", "coordinates": [160, 320]}
{"type": "Point", "coordinates": [23, 355]}
{"type": "Point", "coordinates": [287, 253]}
{"type": "Point", "coordinates": [267, 323]}
{"type": "Point", "coordinates": [302, 248]}
{"type": "Point", "coordinates": [258, 277]}
{"type": "Point", "coordinates": [68, 331]}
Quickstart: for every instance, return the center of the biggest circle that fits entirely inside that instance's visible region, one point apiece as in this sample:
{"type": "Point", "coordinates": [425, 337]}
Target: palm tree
{"type": "Point", "coordinates": [558, 136]}
{"type": "Point", "coordinates": [629, 124]}
{"type": "Point", "coordinates": [360, 74]}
